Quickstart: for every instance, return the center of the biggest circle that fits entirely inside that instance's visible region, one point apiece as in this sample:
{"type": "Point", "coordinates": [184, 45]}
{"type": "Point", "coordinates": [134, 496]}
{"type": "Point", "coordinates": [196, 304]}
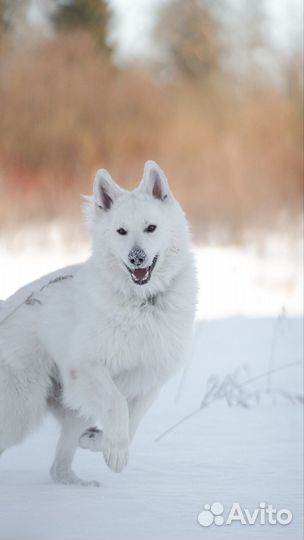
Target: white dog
{"type": "Point", "coordinates": [95, 342]}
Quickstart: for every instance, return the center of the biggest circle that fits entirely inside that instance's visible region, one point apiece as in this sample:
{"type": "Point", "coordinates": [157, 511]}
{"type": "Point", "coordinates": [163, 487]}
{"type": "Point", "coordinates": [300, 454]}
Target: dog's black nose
{"type": "Point", "coordinates": [137, 256]}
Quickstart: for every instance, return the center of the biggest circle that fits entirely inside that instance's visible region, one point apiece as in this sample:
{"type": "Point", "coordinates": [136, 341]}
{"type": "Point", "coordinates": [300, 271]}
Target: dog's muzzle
{"type": "Point", "coordinates": [141, 276]}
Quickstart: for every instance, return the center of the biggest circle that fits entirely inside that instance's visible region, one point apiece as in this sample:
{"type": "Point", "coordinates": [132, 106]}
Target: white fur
{"type": "Point", "coordinates": [110, 342]}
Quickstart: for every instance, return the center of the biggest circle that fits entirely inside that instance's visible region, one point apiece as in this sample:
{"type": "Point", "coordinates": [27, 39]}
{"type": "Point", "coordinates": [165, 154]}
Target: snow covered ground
{"type": "Point", "coordinates": [249, 322]}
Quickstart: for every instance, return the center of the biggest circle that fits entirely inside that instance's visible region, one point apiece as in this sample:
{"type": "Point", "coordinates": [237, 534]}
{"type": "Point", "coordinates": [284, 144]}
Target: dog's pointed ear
{"type": "Point", "coordinates": [105, 189]}
{"type": "Point", "coordinates": [154, 181]}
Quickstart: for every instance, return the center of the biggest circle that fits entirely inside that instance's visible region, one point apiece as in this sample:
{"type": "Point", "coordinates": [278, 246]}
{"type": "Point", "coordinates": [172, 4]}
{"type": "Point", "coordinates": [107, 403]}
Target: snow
{"type": "Point", "coordinates": [249, 322]}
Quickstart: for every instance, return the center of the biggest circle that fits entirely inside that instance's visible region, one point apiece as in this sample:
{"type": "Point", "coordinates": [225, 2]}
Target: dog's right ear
{"type": "Point", "coordinates": [105, 190]}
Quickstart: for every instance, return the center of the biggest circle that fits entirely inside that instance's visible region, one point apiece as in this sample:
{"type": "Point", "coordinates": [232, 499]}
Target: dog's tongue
{"type": "Point", "coordinates": [140, 273]}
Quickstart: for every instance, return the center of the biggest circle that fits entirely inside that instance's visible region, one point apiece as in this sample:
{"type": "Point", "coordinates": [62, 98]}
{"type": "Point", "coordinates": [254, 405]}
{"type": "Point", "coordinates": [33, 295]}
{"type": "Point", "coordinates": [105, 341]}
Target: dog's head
{"type": "Point", "coordinates": [141, 237]}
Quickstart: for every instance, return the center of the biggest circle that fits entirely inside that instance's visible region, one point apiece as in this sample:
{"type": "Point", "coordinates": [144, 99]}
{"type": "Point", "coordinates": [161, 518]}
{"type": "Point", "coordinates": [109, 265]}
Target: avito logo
{"type": "Point", "coordinates": [263, 514]}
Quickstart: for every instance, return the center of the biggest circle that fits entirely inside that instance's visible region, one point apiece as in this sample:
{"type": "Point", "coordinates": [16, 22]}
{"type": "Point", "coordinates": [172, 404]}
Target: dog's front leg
{"type": "Point", "coordinates": [71, 426]}
{"type": "Point", "coordinates": [92, 438]}
{"type": "Point", "coordinates": [90, 389]}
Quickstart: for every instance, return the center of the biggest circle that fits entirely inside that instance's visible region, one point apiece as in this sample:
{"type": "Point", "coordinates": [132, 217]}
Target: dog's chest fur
{"type": "Point", "coordinates": [141, 353]}
{"type": "Point", "coordinates": [141, 341]}
{"type": "Point", "coordinates": [148, 336]}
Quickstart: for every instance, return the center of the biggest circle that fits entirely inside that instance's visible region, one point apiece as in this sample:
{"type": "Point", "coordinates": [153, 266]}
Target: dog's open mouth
{"type": "Point", "coordinates": [141, 276]}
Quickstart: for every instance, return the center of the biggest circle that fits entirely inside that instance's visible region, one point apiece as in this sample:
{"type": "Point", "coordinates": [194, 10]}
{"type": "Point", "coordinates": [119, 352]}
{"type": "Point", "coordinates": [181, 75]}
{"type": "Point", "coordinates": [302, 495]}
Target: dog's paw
{"type": "Point", "coordinates": [115, 453]}
{"type": "Point", "coordinates": [91, 440]}
{"type": "Point", "coordinates": [68, 477]}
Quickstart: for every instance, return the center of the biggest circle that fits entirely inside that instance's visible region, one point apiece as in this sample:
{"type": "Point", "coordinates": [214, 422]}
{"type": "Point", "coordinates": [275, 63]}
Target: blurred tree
{"type": "Point", "coordinates": [89, 15]}
{"type": "Point", "coordinates": [12, 15]}
{"type": "Point", "coordinates": [211, 41]}
{"type": "Point", "coordinates": [189, 34]}
{"type": "Point", "coordinates": [249, 47]}
{"type": "Point", "coordinates": [4, 19]}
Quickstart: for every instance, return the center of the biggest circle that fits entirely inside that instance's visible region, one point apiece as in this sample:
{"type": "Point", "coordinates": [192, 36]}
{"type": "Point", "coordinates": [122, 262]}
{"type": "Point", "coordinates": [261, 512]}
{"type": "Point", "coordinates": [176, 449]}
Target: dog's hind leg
{"type": "Point", "coordinates": [23, 394]}
{"type": "Point", "coordinates": [72, 427]}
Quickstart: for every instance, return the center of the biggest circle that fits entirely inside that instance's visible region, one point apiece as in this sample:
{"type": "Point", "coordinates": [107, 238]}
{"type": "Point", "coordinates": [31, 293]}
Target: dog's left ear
{"type": "Point", "coordinates": [154, 181]}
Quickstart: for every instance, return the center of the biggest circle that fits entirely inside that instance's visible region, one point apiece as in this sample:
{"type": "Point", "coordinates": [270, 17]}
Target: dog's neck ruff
{"type": "Point", "coordinates": [150, 300]}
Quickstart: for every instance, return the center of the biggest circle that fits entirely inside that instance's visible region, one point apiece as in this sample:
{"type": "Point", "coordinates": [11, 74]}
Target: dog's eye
{"type": "Point", "coordinates": [122, 231]}
{"type": "Point", "coordinates": [150, 228]}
